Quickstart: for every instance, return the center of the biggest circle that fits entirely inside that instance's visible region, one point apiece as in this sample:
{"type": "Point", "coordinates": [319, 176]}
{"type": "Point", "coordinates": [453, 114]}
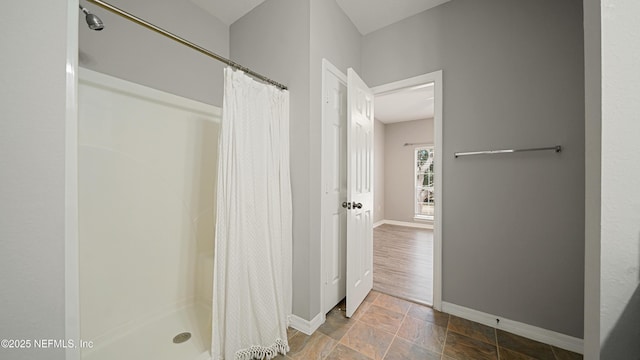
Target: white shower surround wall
{"type": "Point", "coordinates": [147, 170]}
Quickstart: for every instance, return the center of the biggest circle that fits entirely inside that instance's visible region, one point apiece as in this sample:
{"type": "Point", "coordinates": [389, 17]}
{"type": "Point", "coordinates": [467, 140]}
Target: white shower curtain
{"type": "Point", "coordinates": [252, 271]}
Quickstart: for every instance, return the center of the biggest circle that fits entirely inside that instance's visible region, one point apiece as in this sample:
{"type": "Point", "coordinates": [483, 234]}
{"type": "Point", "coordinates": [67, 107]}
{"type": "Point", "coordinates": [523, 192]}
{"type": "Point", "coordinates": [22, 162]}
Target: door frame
{"type": "Point", "coordinates": [436, 78]}
{"type": "Point", "coordinates": [327, 67]}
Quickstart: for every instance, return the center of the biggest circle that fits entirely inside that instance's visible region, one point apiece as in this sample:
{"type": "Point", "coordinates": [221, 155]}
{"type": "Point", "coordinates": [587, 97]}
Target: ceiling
{"type": "Point", "coordinates": [405, 105]}
{"type": "Point", "coordinates": [228, 10]}
{"type": "Point", "coordinates": [367, 15]}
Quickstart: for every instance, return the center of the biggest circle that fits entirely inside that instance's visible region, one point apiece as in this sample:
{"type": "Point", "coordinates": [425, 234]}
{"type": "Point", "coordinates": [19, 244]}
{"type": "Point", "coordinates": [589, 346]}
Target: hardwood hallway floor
{"type": "Point", "coordinates": [403, 262]}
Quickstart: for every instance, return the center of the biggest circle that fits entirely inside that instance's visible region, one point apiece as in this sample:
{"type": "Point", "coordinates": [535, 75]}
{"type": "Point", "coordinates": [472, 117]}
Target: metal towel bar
{"type": "Point", "coordinates": [556, 148]}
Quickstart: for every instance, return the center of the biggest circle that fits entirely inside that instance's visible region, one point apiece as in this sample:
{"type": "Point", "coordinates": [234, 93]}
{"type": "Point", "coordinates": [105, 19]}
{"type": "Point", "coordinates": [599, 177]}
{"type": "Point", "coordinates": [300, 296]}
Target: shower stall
{"type": "Point", "coordinates": [147, 175]}
{"type": "Point", "coordinates": [147, 172]}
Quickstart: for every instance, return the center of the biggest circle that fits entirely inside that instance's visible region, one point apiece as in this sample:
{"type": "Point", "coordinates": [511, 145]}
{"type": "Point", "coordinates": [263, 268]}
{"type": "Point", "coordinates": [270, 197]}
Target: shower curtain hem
{"type": "Point", "coordinates": [262, 352]}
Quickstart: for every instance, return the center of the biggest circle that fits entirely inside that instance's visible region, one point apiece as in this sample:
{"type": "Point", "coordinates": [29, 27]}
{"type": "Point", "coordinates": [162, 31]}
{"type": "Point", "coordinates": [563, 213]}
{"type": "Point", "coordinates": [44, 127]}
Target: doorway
{"type": "Point", "coordinates": [334, 191]}
{"type": "Point", "coordinates": [347, 189]}
{"type": "Point", "coordinates": [334, 150]}
{"type": "Point", "coordinates": [411, 228]}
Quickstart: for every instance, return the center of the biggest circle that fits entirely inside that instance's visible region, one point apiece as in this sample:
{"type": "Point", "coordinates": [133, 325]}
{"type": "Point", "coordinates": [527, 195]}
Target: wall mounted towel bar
{"type": "Point", "coordinates": [413, 144]}
{"type": "Point", "coordinates": [556, 148]}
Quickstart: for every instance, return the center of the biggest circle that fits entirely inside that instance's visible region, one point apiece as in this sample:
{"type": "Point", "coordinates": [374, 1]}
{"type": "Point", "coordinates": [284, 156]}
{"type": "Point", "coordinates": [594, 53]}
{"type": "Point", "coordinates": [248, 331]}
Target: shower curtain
{"type": "Point", "coordinates": [252, 271]}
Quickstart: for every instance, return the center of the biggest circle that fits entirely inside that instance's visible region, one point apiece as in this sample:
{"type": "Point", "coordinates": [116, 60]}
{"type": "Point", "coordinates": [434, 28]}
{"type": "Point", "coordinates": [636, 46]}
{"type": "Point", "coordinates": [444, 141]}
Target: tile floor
{"type": "Point", "coordinates": [385, 327]}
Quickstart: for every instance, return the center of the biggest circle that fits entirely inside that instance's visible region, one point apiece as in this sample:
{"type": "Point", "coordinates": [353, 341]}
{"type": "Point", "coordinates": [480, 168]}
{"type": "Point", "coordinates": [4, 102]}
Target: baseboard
{"type": "Point", "coordinates": [404, 223]}
{"type": "Point", "coordinates": [529, 331]}
{"type": "Point", "coordinates": [305, 326]}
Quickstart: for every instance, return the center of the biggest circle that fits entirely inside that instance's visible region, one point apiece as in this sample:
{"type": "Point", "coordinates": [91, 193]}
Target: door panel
{"type": "Point", "coordinates": [334, 192]}
{"type": "Point", "coordinates": [360, 124]}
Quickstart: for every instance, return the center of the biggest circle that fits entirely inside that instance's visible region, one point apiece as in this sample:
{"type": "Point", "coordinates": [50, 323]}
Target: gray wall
{"type": "Point", "coordinates": [128, 51]}
{"type": "Point", "coordinates": [273, 39]}
{"type": "Point", "coordinates": [620, 182]}
{"type": "Point", "coordinates": [286, 40]}
{"type": "Point", "coordinates": [378, 171]}
{"type": "Point", "coordinates": [513, 225]}
{"type": "Point", "coordinates": [32, 159]}
{"type": "Point", "coordinates": [399, 177]}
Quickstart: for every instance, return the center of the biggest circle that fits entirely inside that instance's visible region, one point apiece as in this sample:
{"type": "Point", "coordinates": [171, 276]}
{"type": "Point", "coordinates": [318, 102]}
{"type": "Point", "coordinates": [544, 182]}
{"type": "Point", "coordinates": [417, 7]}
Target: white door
{"type": "Point", "coordinates": [359, 204]}
{"type": "Point", "coordinates": [334, 187]}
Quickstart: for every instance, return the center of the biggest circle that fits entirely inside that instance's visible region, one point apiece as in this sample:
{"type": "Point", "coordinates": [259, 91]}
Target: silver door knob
{"type": "Point", "coordinates": [357, 205]}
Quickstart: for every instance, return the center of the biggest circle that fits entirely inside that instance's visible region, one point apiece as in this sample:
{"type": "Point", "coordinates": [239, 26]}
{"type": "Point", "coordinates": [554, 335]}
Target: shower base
{"type": "Point", "coordinates": [154, 340]}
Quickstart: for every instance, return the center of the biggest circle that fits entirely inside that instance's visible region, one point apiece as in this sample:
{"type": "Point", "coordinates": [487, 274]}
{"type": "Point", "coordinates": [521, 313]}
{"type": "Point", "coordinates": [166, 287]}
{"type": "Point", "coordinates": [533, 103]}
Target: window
{"type": "Point", "coordinates": [424, 205]}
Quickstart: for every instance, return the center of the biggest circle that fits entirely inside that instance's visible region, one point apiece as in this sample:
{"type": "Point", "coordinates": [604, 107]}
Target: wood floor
{"type": "Point", "coordinates": [403, 262]}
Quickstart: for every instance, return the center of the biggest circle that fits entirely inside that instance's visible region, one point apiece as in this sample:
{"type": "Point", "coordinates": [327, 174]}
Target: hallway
{"type": "Point", "coordinates": [403, 262]}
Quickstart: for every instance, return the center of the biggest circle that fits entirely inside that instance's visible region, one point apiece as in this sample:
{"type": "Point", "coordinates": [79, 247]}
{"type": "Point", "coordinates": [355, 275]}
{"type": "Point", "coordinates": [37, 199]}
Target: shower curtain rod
{"type": "Point", "coordinates": [177, 38]}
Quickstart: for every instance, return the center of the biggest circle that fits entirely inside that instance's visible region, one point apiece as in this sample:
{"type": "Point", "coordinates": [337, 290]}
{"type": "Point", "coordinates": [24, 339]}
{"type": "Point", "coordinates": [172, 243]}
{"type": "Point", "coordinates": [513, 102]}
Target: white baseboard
{"type": "Point", "coordinates": [529, 331]}
{"type": "Point", "coordinates": [304, 326]}
{"type": "Point", "coordinates": [404, 223]}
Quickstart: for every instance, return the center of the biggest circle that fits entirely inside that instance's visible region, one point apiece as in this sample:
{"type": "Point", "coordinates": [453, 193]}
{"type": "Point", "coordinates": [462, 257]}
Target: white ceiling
{"type": "Point", "coordinates": [405, 105]}
{"type": "Point", "coordinates": [228, 10]}
{"type": "Point", "coordinates": [371, 15]}
{"type": "Point", "coordinates": [367, 15]}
